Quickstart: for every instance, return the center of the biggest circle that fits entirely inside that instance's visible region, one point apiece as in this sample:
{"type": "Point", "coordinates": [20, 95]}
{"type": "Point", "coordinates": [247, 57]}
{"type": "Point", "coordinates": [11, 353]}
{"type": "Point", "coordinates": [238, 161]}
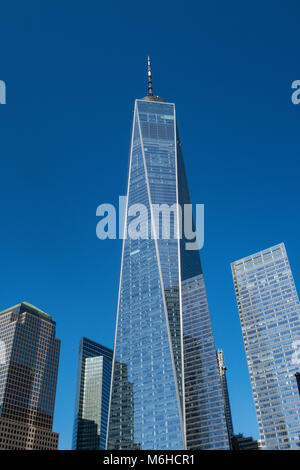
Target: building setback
{"type": "Point", "coordinates": [166, 388]}
{"type": "Point", "coordinates": [28, 376]}
{"type": "Point", "coordinates": [269, 311]}
{"type": "Point", "coordinates": [92, 396]}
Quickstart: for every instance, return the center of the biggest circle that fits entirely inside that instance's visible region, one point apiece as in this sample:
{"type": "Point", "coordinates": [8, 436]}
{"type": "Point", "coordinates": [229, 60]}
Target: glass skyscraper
{"type": "Point", "coordinates": [92, 396]}
{"type": "Point", "coordinates": [166, 389]}
{"type": "Point", "coordinates": [269, 311]}
{"type": "Point", "coordinates": [28, 375]}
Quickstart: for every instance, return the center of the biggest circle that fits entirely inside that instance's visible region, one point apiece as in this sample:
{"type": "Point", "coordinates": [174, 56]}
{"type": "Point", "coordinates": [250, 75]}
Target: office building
{"type": "Point", "coordinates": [240, 442]}
{"type": "Point", "coordinates": [237, 441]}
{"type": "Point", "coordinates": [269, 311]}
{"type": "Point", "coordinates": [164, 341]}
{"type": "Point", "coordinates": [28, 376]}
{"type": "Point", "coordinates": [222, 371]}
{"type": "Point", "coordinates": [92, 396]}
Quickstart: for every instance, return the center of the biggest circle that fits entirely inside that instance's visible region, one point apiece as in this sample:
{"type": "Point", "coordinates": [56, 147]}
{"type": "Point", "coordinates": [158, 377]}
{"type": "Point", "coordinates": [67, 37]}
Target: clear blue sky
{"type": "Point", "coordinates": [73, 70]}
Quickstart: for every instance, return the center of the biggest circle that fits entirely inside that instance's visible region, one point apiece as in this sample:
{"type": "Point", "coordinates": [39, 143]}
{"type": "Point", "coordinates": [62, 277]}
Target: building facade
{"type": "Point", "coordinates": [28, 376]}
{"type": "Point", "coordinates": [237, 441]}
{"type": "Point", "coordinates": [222, 372]}
{"type": "Point", "coordinates": [240, 442]}
{"type": "Point", "coordinates": [269, 311]}
{"type": "Point", "coordinates": [92, 396]}
{"type": "Point", "coordinates": [166, 389]}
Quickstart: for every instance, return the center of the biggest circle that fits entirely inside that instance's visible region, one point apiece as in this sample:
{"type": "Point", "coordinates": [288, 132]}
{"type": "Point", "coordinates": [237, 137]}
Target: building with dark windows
{"type": "Point", "coordinates": [269, 311]}
{"type": "Point", "coordinates": [92, 396]}
{"type": "Point", "coordinates": [28, 375]}
{"type": "Point", "coordinates": [164, 342]}
{"type": "Point", "coordinates": [240, 442]}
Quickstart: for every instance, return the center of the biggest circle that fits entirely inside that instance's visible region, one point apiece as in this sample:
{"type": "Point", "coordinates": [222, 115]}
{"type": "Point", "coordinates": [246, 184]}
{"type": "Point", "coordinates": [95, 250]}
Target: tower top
{"type": "Point", "coordinates": [151, 96]}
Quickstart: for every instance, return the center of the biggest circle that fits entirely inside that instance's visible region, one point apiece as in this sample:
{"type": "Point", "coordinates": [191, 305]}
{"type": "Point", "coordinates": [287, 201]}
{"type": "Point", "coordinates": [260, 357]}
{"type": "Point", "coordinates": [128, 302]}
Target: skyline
{"type": "Point", "coordinates": [49, 193]}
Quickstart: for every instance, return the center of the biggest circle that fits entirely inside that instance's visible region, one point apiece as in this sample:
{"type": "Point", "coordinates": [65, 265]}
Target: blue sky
{"type": "Point", "coordinates": [73, 70]}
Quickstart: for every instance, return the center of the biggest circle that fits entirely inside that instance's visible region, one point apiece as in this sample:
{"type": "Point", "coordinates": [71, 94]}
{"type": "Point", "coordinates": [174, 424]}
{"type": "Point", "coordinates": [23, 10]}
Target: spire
{"type": "Point", "coordinates": [150, 89]}
{"type": "Point", "coordinates": [150, 96]}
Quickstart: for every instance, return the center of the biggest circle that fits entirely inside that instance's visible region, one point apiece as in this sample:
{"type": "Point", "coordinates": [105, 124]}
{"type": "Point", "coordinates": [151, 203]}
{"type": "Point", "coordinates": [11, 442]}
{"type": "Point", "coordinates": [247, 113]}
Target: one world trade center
{"type": "Point", "coordinates": [166, 391]}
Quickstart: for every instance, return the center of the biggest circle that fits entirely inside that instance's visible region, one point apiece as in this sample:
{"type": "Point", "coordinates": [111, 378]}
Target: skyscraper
{"type": "Point", "coordinates": [269, 311]}
{"type": "Point", "coordinates": [222, 371]}
{"type": "Point", "coordinates": [28, 376]}
{"type": "Point", "coordinates": [165, 366]}
{"type": "Point", "coordinates": [237, 441]}
{"type": "Point", "coordinates": [92, 396]}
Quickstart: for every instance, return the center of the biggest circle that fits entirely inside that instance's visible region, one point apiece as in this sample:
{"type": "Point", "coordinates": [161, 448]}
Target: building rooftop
{"type": "Point", "coordinates": [27, 307]}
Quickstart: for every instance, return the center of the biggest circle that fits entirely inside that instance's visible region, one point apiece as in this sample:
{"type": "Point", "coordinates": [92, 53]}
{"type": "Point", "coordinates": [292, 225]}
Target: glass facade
{"type": "Point", "coordinates": [28, 376]}
{"type": "Point", "coordinates": [92, 396]}
{"type": "Point", "coordinates": [269, 311]}
{"type": "Point", "coordinates": [166, 389]}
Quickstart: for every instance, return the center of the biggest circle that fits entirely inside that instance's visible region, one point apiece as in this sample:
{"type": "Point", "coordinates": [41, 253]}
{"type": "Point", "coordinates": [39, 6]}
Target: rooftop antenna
{"type": "Point", "coordinates": [150, 89]}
